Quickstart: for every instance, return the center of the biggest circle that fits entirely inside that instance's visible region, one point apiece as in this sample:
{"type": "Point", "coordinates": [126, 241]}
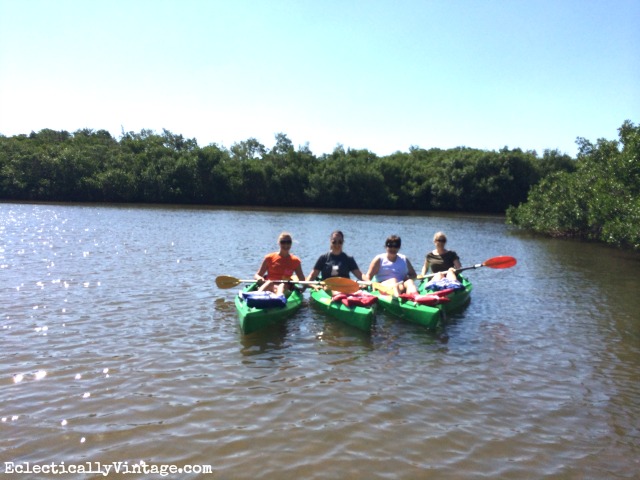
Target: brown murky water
{"type": "Point", "coordinates": [116, 346]}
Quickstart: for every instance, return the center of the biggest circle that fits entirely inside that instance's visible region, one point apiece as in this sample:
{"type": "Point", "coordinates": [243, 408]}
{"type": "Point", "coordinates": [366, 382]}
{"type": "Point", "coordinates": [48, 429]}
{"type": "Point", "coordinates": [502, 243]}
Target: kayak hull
{"type": "Point", "coordinates": [425, 315]}
{"type": "Point", "coordinates": [458, 299]}
{"type": "Point", "coordinates": [252, 319]}
{"type": "Point", "coordinates": [358, 316]}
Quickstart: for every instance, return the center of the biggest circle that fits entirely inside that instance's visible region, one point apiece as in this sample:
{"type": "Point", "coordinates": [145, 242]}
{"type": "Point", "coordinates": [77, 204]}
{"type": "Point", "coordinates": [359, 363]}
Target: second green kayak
{"type": "Point", "coordinates": [357, 316]}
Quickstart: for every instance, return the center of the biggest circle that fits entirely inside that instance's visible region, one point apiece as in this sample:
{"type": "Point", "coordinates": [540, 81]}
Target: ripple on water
{"type": "Point", "coordinates": [144, 360]}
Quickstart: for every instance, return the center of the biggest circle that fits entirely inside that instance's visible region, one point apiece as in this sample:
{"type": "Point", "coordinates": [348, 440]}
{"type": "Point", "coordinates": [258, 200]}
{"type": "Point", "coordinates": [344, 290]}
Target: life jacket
{"type": "Point", "coordinates": [358, 299]}
{"type": "Point", "coordinates": [430, 299]}
{"type": "Point", "coordinates": [443, 284]}
{"type": "Point", "coordinates": [263, 299]}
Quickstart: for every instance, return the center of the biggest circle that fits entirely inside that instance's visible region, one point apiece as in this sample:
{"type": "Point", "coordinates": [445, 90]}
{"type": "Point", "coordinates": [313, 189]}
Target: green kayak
{"type": "Point", "coordinates": [357, 316]}
{"type": "Point", "coordinates": [254, 318]}
{"type": "Point", "coordinates": [458, 299]}
{"type": "Point", "coordinates": [425, 315]}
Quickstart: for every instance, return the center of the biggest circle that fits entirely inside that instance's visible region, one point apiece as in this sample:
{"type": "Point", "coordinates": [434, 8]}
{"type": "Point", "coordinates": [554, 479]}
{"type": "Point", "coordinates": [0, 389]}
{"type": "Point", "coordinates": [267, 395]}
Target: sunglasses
{"type": "Point", "coordinates": [337, 242]}
{"type": "Point", "coordinates": [393, 245]}
{"type": "Point", "coordinates": [442, 240]}
{"type": "Point", "coordinates": [285, 242]}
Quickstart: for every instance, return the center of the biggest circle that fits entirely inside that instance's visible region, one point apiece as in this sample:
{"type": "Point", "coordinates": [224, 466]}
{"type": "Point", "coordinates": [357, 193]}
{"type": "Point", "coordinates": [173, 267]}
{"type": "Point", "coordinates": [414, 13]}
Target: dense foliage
{"type": "Point", "coordinates": [148, 167]}
{"type": "Point", "coordinates": [599, 201]}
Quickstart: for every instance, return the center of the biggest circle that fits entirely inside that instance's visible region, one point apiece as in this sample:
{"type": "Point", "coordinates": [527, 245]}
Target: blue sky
{"type": "Point", "coordinates": [380, 75]}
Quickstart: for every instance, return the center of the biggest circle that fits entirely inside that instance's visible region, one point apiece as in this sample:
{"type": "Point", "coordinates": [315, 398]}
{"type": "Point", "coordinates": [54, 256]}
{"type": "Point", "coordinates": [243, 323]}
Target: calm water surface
{"type": "Point", "coordinates": [116, 346]}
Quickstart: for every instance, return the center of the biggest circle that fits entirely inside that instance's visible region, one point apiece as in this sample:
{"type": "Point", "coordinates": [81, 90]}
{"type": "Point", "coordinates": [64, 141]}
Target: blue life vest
{"type": "Point", "coordinates": [263, 299]}
{"type": "Point", "coordinates": [443, 284]}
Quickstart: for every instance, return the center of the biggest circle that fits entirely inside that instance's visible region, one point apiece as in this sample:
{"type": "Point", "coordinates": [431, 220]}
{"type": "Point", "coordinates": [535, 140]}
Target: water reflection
{"type": "Point", "coordinates": [268, 339]}
{"type": "Point", "coordinates": [336, 333]}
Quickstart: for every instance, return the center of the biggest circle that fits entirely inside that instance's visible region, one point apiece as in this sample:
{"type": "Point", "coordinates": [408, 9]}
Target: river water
{"type": "Point", "coordinates": [116, 346]}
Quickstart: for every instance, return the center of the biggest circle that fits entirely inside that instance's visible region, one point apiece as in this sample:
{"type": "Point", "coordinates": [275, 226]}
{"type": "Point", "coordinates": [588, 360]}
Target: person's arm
{"type": "Point", "coordinates": [456, 264]}
{"type": "Point", "coordinates": [259, 276]}
{"type": "Point", "coordinates": [317, 268]}
{"type": "Point", "coordinates": [313, 275]}
{"type": "Point", "coordinates": [299, 273]}
{"type": "Point", "coordinates": [411, 272]}
{"type": "Point", "coordinates": [353, 268]}
{"type": "Point", "coordinates": [357, 273]}
{"type": "Point", "coordinates": [425, 267]}
{"type": "Point", "coordinates": [373, 269]}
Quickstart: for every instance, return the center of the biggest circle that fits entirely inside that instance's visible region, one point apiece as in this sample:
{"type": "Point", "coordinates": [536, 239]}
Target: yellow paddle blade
{"type": "Point", "coordinates": [386, 289]}
{"type": "Point", "coordinates": [343, 285]}
{"type": "Point", "coordinates": [225, 281]}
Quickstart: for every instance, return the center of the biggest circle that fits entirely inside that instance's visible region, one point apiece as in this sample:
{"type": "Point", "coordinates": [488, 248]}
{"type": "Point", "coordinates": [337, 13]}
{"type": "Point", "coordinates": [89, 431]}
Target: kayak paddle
{"type": "Point", "coordinates": [381, 287]}
{"type": "Point", "coordinates": [225, 281]}
{"type": "Point", "coordinates": [495, 262]}
{"type": "Point", "coordinates": [339, 284]}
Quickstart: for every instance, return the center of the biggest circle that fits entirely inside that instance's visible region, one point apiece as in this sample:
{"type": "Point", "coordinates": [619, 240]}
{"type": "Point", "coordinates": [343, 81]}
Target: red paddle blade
{"type": "Point", "coordinates": [500, 262]}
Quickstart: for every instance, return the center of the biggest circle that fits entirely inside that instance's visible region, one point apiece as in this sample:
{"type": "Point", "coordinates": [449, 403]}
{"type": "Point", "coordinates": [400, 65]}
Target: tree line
{"type": "Point", "coordinates": [599, 200]}
{"type": "Point", "coordinates": [151, 167]}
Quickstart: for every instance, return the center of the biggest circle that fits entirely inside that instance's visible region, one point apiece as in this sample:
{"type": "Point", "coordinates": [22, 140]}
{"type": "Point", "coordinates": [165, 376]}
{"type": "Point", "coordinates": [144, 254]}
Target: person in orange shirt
{"type": "Point", "coordinates": [281, 265]}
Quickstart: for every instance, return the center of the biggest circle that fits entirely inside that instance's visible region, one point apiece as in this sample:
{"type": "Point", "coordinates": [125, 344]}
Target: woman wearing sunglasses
{"type": "Point", "coordinates": [335, 263]}
{"type": "Point", "coordinates": [281, 265]}
{"type": "Point", "coordinates": [393, 268]}
{"type": "Point", "coordinates": [442, 262]}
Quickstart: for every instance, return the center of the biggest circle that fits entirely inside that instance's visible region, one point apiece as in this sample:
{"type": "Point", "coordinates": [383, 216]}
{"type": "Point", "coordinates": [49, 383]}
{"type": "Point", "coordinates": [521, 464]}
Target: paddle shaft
{"type": "Point", "coordinates": [334, 283]}
{"type": "Point", "coordinates": [232, 281]}
{"type": "Point", "coordinates": [495, 262]}
{"type": "Point", "coordinates": [458, 270]}
{"type": "Point", "coordinates": [301, 282]}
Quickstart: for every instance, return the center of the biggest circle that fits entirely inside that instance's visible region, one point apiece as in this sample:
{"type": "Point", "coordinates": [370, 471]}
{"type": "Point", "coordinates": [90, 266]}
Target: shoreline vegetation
{"type": "Point", "coordinates": [598, 201]}
{"type": "Point", "coordinates": [595, 196]}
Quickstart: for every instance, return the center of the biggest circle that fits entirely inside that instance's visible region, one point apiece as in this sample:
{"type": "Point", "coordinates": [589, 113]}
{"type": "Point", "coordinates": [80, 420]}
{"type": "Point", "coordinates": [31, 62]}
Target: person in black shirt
{"type": "Point", "coordinates": [335, 263]}
{"type": "Point", "coordinates": [441, 261]}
